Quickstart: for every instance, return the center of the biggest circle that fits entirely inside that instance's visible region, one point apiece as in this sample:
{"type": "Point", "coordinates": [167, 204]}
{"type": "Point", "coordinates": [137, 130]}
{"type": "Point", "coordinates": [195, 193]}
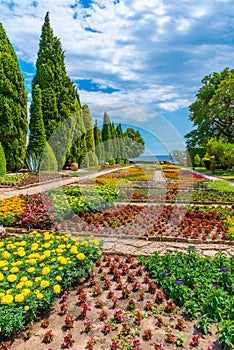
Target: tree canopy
{"type": "Point", "coordinates": [213, 111]}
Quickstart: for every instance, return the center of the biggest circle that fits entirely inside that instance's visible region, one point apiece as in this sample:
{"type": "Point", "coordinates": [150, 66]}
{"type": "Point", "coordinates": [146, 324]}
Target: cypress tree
{"type": "Point", "coordinates": [37, 137]}
{"type": "Point", "coordinates": [122, 149]}
{"type": "Point", "coordinates": [2, 161]}
{"type": "Point", "coordinates": [99, 146]}
{"type": "Point", "coordinates": [13, 105]}
{"type": "Point", "coordinates": [60, 100]}
{"type": "Point", "coordinates": [107, 138]}
{"type": "Point", "coordinates": [89, 135]}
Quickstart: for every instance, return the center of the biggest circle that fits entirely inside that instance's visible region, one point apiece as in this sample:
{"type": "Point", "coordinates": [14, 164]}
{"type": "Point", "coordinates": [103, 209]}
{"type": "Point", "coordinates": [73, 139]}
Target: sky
{"type": "Point", "coordinates": [142, 62]}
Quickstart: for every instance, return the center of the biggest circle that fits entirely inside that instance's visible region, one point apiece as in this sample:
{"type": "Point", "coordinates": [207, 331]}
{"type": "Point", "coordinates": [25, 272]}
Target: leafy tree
{"type": "Point", "coordinates": [37, 137]}
{"type": "Point", "coordinates": [60, 100]}
{"type": "Point", "coordinates": [13, 105]}
{"type": "Point", "coordinates": [213, 111]}
{"type": "Point", "coordinates": [107, 138]}
{"type": "Point", "coordinates": [134, 143]}
{"type": "Point", "coordinates": [222, 151]}
{"type": "Point", "coordinates": [2, 161]}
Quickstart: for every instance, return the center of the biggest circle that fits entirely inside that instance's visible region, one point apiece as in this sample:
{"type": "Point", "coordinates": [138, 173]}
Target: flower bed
{"type": "Point", "coordinates": [202, 286]}
{"type": "Point", "coordinates": [34, 269]}
{"type": "Point", "coordinates": [118, 307]}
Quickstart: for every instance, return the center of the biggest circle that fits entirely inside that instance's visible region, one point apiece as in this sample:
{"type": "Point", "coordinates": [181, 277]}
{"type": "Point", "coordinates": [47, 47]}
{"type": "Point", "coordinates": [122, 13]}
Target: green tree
{"type": "Point", "coordinates": [89, 135]}
{"type": "Point", "coordinates": [134, 143]}
{"type": "Point", "coordinates": [2, 161]}
{"type": "Point", "coordinates": [99, 147]}
{"type": "Point", "coordinates": [37, 137]}
{"type": "Point", "coordinates": [60, 100]}
{"type": "Point", "coordinates": [13, 105]}
{"type": "Point", "coordinates": [107, 138]}
{"type": "Point", "coordinates": [222, 151]}
{"type": "Point", "coordinates": [197, 160]}
{"type": "Point", "coordinates": [213, 111]}
{"type": "Point", "coordinates": [121, 144]}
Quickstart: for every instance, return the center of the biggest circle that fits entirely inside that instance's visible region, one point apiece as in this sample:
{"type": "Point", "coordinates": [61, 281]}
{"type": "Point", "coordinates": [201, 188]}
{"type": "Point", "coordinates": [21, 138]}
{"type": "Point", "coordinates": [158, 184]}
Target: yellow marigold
{"type": "Point", "coordinates": [14, 269]}
{"type": "Point", "coordinates": [34, 246]}
{"type": "Point", "coordinates": [9, 291]}
{"type": "Point", "coordinates": [37, 279]}
{"type": "Point", "coordinates": [42, 264]}
{"type": "Point", "coordinates": [6, 255]}
{"type": "Point", "coordinates": [24, 278]}
{"type": "Point", "coordinates": [60, 268]}
{"type": "Point", "coordinates": [36, 291]}
{"type": "Point", "coordinates": [47, 253]}
{"type": "Point", "coordinates": [1, 244]}
{"type": "Point", "coordinates": [45, 271]}
{"type": "Point", "coordinates": [62, 260]}
{"type": "Point", "coordinates": [19, 298]}
{"type": "Point", "coordinates": [3, 263]}
{"type": "Point", "coordinates": [26, 308]}
{"type": "Point", "coordinates": [18, 263]}
{"type": "Point", "coordinates": [73, 249]}
{"type": "Point", "coordinates": [20, 285]}
{"type": "Point", "coordinates": [53, 259]}
{"type": "Point", "coordinates": [6, 299]}
{"type": "Point", "coordinates": [5, 268]}
{"type": "Point", "coordinates": [23, 243]}
{"type": "Point", "coordinates": [39, 295]}
{"type": "Point", "coordinates": [1, 294]}
{"type": "Point", "coordinates": [26, 292]}
{"type": "Point", "coordinates": [44, 284]}
{"type": "Point", "coordinates": [11, 278]}
{"type": "Point", "coordinates": [21, 253]}
{"type": "Point", "coordinates": [10, 246]}
{"type": "Point", "coordinates": [58, 278]}
{"type": "Point", "coordinates": [31, 269]}
{"type": "Point", "coordinates": [28, 283]}
{"type": "Point", "coordinates": [80, 256]}
{"type": "Point", "coordinates": [1, 276]}
{"type": "Point", "coordinates": [46, 245]}
{"type": "Point", "coordinates": [56, 288]}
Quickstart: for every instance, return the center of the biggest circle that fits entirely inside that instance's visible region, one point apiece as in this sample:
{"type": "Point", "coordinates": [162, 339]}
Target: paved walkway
{"type": "Point", "coordinates": [43, 187]}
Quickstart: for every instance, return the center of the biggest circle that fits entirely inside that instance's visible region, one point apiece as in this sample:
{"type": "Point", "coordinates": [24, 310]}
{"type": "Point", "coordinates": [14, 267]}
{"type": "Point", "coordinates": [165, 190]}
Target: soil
{"type": "Point", "coordinates": [126, 330]}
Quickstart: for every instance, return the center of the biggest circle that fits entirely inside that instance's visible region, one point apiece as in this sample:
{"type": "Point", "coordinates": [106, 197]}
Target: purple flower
{"type": "Point", "coordinates": [179, 282]}
{"type": "Point", "coordinates": [222, 269]}
{"type": "Point", "coordinates": [163, 274]}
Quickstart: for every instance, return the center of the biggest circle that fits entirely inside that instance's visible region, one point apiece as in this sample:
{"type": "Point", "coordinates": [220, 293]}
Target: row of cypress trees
{"type": "Point", "coordinates": [58, 125]}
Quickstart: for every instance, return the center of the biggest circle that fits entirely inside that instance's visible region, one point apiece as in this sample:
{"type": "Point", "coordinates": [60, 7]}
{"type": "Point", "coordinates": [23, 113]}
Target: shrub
{"type": "Point", "coordinates": [48, 160]}
{"type": "Point", "coordinates": [2, 161]}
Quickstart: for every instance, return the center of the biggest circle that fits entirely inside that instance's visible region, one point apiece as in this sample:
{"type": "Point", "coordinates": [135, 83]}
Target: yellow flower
{"type": "Point", "coordinates": [28, 283]}
{"type": "Point", "coordinates": [47, 245]}
{"type": "Point", "coordinates": [60, 268]}
{"type": "Point", "coordinates": [2, 294]}
{"type": "Point", "coordinates": [3, 263]}
{"type": "Point", "coordinates": [37, 279]}
{"type": "Point", "coordinates": [9, 291]}
{"type": "Point", "coordinates": [57, 289]}
{"type": "Point", "coordinates": [45, 271]}
{"type": "Point", "coordinates": [26, 308]}
{"type": "Point", "coordinates": [80, 256]}
{"type": "Point", "coordinates": [24, 278]}
{"type": "Point", "coordinates": [18, 263]}
{"type": "Point", "coordinates": [34, 246]}
{"type": "Point", "coordinates": [21, 253]}
{"type": "Point", "coordinates": [23, 243]}
{"type": "Point", "coordinates": [1, 276]}
{"type": "Point", "coordinates": [20, 285]}
{"type": "Point", "coordinates": [11, 278]}
{"type": "Point", "coordinates": [58, 278]}
{"type": "Point", "coordinates": [62, 260]}
{"type": "Point", "coordinates": [6, 255]}
{"type": "Point", "coordinates": [10, 246]}
{"type": "Point", "coordinates": [31, 269]}
{"type": "Point", "coordinates": [14, 269]}
{"type": "Point", "coordinates": [26, 292]}
{"type": "Point", "coordinates": [1, 244]}
{"type": "Point", "coordinates": [73, 249]}
{"type": "Point", "coordinates": [19, 298]}
{"type": "Point", "coordinates": [44, 284]}
{"type": "Point", "coordinates": [5, 268]}
{"type": "Point", "coordinates": [6, 299]}
{"type": "Point", "coordinates": [39, 295]}
{"type": "Point", "coordinates": [53, 260]}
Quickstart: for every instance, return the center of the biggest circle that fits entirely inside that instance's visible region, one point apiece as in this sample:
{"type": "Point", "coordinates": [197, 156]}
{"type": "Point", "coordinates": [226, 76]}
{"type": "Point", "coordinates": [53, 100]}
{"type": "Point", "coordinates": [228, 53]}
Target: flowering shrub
{"type": "Point", "coordinates": [10, 208]}
{"type": "Point", "coordinates": [33, 271]}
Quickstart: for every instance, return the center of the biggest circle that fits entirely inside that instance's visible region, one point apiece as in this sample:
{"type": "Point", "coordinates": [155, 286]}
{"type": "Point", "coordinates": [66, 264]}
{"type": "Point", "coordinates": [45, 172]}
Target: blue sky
{"type": "Point", "coordinates": [140, 61]}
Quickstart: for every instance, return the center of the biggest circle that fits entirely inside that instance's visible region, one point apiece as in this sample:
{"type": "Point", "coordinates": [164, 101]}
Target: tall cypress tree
{"type": "Point", "coordinates": [99, 147]}
{"type": "Point", "coordinates": [90, 143]}
{"type": "Point", "coordinates": [107, 138]}
{"type": "Point", "coordinates": [60, 100]}
{"type": "Point", "coordinates": [120, 136]}
{"type": "Point", "coordinates": [37, 137]}
{"type": "Point", "coordinates": [13, 105]}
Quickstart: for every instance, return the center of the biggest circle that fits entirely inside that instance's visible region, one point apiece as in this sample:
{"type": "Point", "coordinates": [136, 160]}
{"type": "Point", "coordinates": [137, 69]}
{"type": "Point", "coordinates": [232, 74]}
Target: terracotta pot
{"type": "Point", "coordinates": [74, 166]}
